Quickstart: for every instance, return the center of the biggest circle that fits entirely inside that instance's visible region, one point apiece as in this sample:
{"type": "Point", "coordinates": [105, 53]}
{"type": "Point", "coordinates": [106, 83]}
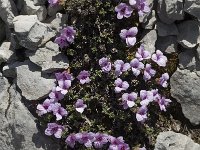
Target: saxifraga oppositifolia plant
{"type": "Point", "coordinates": [102, 100]}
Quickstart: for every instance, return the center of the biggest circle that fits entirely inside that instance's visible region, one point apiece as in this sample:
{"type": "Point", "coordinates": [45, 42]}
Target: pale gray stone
{"type": "Point", "coordinates": [170, 10]}
{"type": "Point", "coordinates": [151, 21]}
{"type": "Point", "coordinates": [6, 53]}
{"type": "Point", "coordinates": [58, 21]}
{"type": "Point", "coordinates": [175, 141]}
{"type": "Point", "coordinates": [149, 39]}
{"type": "Point", "coordinates": [23, 23]}
{"type": "Point", "coordinates": [31, 33]}
{"type": "Point", "coordinates": [10, 69]}
{"type": "Point", "coordinates": [166, 29]}
{"type": "Point", "coordinates": [8, 11]}
{"type": "Point", "coordinates": [185, 89]}
{"type": "Point", "coordinates": [32, 85]}
{"type": "Point", "coordinates": [189, 33]}
{"type": "Point", "coordinates": [192, 7]}
{"type": "Point", "coordinates": [18, 130]}
{"type": "Point", "coordinates": [188, 59]}
{"type": "Point", "coordinates": [49, 58]}
{"type": "Point", "coordinates": [30, 9]}
{"type": "Point", "coordinates": [167, 44]}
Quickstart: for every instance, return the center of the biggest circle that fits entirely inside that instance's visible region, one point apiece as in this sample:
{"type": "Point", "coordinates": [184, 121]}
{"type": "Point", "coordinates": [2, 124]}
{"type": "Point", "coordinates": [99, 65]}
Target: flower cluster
{"type": "Point", "coordinates": [66, 37]}
{"type": "Point", "coordinates": [96, 140]}
{"type": "Point", "coordinates": [124, 10]}
{"type": "Point", "coordinates": [140, 65]}
{"type": "Point", "coordinates": [58, 92]}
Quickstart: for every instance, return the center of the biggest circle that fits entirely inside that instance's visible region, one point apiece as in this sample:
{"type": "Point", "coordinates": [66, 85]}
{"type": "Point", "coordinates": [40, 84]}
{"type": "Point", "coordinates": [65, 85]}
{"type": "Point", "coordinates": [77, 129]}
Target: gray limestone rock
{"type": "Point", "coordinates": [32, 85]}
{"type": "Point", "coordinates": [58, 21]}
{"type": "Point", "coordinates": [6, 54]}
{"type": "Point", "coordinates": [18, 130]}
{"type": "Point", "coordinates": [31, 33]}
{"type": "Point", "coordinates": [30, 9]}
{"type": "Point", "coordinates": [166, 29]}
{"type": "Point", "coordinates": [49, 58]}
{"type": "Point", "coordinates": [167, 44]}
{"type": "Point", "coordinates": [149, 39]}
{"type": "Point", "coordinates": [170, 10]}
{"type": "Point", "coordinates": [175, 141]}
{"type": "Point", "coordinates": [8, 11]}
{"type": "Point", "coordinates": [188, 59]}
{"type": "Point", "coordinates": [192, 7]}
{"type": "Point", "coordinates": [185, 89]}
{"type": "Point", "coordinates": [189, 33]}
{"type": "Point", "coordinates": [151, 21]}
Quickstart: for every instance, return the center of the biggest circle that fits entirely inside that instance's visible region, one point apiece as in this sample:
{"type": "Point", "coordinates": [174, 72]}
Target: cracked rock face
{"type": "Point", "coordinates": [29, 8]}
{"type": "Point", "coordinates": [192, 7]}
{"type": "Point", "coordinates": [189, 33]}
{"type": "Point", "coordinates": [175, 141]}
{"type": "Point", "coordinates": [149, 39]}
{"type": "Point", "coordinates": [170, 10]}
{"type": "Point", "coordinates": [32, 85]}
{"type": "Point", "coordinates": [31, 33]}
{"type": "Point", "coordinates": [185, 89]}
{"type": "Point", "coordinates": [18, 130]}
{"type": "Point", "coordinates": [8, 11]}
{"type": "Point", "coordinates": [49, 58]}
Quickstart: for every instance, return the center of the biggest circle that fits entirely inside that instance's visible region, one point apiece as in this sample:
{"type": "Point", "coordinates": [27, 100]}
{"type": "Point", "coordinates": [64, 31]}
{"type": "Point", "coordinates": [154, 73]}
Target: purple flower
{"type": "Point", "coordinates": [44, 108]}
{"type": "Point", "coordinates": [105, 64]}
{"type": "Point", "coordinates": [85, 138]}
{"type": "Point", "coordinates": [71, 140]}
{"type": "Point", "coordinates": [143, 148]}
{"type": "Point", "coordinates": [142, 54]}
{"type": "Point", "coordinates": [115, 142]}
{"type": "Point", "coordinates": [123, 146]}
{"type": "Point", "coordinates": [129, 36]}
{"type": "Point", "coordinates": [61, 41]}
{"type": "Point", "coordinates": [163, 102]}
{"type": "Point", "coordinates": [128, 99]}
{"type": "Point", "coordinates": [136, 66]}
{"type": "Point", "coordinates": [120, 67]}
{"type": "Point", "coordinates": [141, 114]}
{"type": "Point", "coordinates": [159, 58]}
{"type": "Point", "coordinates": [69, 33]}
{"type": "Point", "coordinates": [84, 77]}
{"type": "Point", "coordinates": [63, 76]}
{"type": "Point", "coordinates": [80, 106]}
{"type": "Point", "coordinates": [58, 111]}
{"type": "Point", "coordinates": [53, 2]}
{"type": "Point", "coordinates": [156, 95]}
{"type": "Point", "coordinates": [141, 6]}
{"type": "Point", "coordinates": [63, 86]}
{"type": "Point", "coordinates": [148, 72]}
{"type": "Point", "coordinates": [146, 97]}
{"type": "Point", "coordinates": [123, 10]}
{"type": "Point", "coordinates": [100, 140]}
{"type": "Point", "coordinates": [54, 129]}
{"type": "Point", "coordinates": [163, 80]}
{"type": "Point", "coordinates": [120, 85]}
{"type": "Point", "coordinates": [56, 95]}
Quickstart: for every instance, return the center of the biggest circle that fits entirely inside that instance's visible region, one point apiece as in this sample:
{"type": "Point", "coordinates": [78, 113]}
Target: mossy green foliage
{"type": "Point", "coordinates": [98, 36]}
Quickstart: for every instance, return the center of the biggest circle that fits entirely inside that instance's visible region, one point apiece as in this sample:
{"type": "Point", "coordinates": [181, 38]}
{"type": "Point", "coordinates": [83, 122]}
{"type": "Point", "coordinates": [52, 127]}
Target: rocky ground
{"type": "Point", "coordinates": [28, 58]}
